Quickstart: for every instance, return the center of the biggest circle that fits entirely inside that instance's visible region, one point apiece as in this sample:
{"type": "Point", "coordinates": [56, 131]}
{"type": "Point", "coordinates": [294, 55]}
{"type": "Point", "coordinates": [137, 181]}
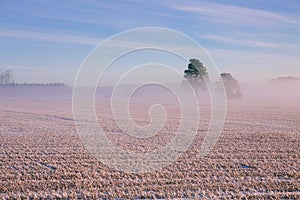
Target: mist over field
{"type": "Point", "coordinates": [256, 154]}
{"type": "Point", "coordinates": [270, 90]}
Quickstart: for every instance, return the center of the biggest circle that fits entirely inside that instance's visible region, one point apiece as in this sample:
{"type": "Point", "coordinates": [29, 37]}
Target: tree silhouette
{"type": "Point", "coordinates": [196, 74]}
{"type": "Point", "coordinates": [6, 78]}
{"type": "Point", "coordinates": [231, 85]}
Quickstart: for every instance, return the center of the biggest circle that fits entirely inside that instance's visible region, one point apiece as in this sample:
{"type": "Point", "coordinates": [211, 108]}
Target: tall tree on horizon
{"type": "Point", "coordinates": [196, 74]}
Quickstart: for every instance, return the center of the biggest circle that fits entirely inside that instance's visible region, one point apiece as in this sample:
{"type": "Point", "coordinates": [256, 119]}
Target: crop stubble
{"type": "Point", "coordinates": [257, 154]}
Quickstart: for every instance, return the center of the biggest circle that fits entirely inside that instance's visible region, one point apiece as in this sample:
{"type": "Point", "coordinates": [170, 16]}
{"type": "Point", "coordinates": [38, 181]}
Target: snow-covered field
{"type": "Point", "coordinates": [257, 154]}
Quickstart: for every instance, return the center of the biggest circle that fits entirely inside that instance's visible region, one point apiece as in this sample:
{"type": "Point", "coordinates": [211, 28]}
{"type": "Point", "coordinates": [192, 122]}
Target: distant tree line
{"type": "Point", "coordinates": [285, 79]}
{"type": "Point", "coordinates": [6, 79]}
{"type": "Point", "coordinates": [41, 84]}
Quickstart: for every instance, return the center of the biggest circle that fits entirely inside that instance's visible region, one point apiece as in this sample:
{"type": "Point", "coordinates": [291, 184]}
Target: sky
{"type": "Point", "coordinates": [47, 41]}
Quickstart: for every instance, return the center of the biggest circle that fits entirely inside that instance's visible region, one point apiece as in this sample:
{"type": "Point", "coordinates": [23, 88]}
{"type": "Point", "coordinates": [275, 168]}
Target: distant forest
{"type": "Point", "coordinates": [286, 79]}
{"type": "Point", "coordinates": [7, 79]}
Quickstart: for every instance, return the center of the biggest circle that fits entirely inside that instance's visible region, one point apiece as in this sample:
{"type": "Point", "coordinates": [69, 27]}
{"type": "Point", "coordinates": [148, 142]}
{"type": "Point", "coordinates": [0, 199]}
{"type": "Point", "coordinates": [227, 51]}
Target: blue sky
{"type": "Point", "coordinates": [46, 41]}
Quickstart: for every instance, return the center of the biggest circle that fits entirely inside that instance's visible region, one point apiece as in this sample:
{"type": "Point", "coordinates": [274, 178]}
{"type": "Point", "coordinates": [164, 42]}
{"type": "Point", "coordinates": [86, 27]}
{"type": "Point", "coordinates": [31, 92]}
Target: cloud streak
{"type": "Point", "coordinates": [50, 37]}
{"type": "Point", "coordinates": [250, 43]}
{"type": "Point", "coordinates": [237, 15]}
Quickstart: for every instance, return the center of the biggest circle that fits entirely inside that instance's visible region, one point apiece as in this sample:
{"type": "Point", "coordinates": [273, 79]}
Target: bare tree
{"type": "Point", "coordinates": [6, 78]}
{"type": "Point", "coordinates": [1, 78]}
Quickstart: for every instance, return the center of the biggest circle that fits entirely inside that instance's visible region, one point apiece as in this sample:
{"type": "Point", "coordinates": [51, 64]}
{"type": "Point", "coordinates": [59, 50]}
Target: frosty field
{"type": "Point", "coordinates": [257, 154]}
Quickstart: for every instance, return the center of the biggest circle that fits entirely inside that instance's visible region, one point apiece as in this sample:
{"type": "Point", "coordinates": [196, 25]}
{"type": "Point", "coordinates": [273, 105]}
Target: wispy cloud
{"type": "Point", "coordinates": [251, 43]}
{"type": "Point", "coordinates": [50, 37]}
{"type": "Point", "coordinates": [91, 13]}
{"type": "Point", "coordinates": [10, 67]}
{"type": "Point", "coordinates": [236, 14]}
{"type": "Point", "coordinates": [147, 39]}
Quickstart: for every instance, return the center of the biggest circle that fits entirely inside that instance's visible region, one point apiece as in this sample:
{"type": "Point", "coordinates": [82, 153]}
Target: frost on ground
{"type": "Point", "coordinates": [257, 154]}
